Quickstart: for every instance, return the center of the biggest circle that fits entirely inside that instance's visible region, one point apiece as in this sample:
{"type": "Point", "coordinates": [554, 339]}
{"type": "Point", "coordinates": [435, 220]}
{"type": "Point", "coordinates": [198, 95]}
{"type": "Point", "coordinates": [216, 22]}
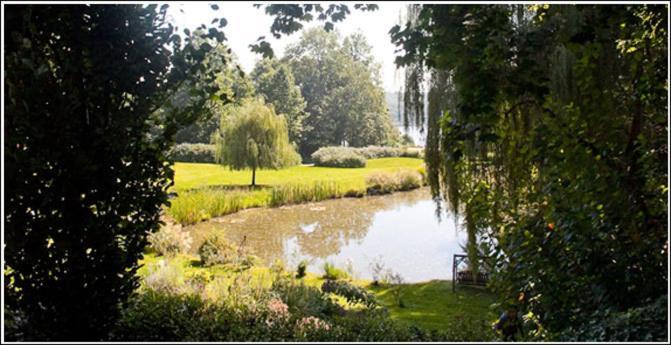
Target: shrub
{"type": "Point", "coordinates": [351, 293]}
{"type": "Point", "coordinates": [165, 277]}
{"type": "Point", "coordinates": [304, 300]}
{"type": "Point", "coordinates": [300, 270]}
{"type": "Point", "coordinates": [170, 240]}
{"type": "Point", "coordinates": [381, 183]}
{"type": "Point", "coordinates": [648, 323]}
{"type": "Point", "coordinates": [407, 179]}
{"type": "Point", "coordinates": [194, 153]}
{"type": "Point", "coordinates": [333, 273]}
{"type": "Point", "coordinates": [338, 157]}
{"type": "Point", "coordinates": [373, 152]}
{"type": "Point", "coordinates": [216, 250]}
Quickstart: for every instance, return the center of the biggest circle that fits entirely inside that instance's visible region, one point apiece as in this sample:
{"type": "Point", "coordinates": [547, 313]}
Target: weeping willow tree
{"type": "Point", "coordinates": [254, 137]}
{"type": "Point", "coordinates": [547, 130]}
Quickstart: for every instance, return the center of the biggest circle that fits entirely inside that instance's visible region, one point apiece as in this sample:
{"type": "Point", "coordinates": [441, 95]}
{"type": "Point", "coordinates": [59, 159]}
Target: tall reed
{"type": "Point", "coordinates": [296, 193]}
{"type": "Point", "coordinates": [194, 206]}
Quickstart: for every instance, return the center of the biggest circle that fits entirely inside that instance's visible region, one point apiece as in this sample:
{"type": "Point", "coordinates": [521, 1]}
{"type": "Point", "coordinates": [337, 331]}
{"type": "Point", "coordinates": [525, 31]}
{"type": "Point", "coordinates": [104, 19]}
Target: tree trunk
{"type": "Point", "coordinates": [253, 176]}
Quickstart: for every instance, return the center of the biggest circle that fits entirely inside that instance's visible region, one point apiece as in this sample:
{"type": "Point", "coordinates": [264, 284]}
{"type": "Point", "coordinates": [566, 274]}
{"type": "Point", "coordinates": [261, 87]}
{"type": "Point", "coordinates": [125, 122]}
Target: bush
{"type": "Point", "coordinates": [351, 293]}
{"type": "Point", "coordinates": [381, 183]}
{"type": "Point", "coordinates": [373, 152]}
{"type": "Point", "coordinates": [386, 182]}
{"type": "Point", "coordinates": [170, 240]}
{"type": "Point", "coordinates": [287, 311]}
{"type": "Point", "coordinates": [407, 179]}
{"type": "Point", "coordinates": [165, 277]}
{"type": "Point", "coordinates": [304, 300]}
{"type": "Point", "coordinates": [643, 324]}
{"type": "Point", "coordinates": [216, 250]}
{"type": "Point", "coordinates": [338, 157]}
{"type": "Point", "coordinates": [194, 153]}
{"type": "Point", "coordinates": [333, 273]}
{"type": "Point", "coordinates": [300, 270]}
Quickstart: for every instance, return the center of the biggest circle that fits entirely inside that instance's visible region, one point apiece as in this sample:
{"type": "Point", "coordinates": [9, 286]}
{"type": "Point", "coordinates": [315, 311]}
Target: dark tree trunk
{"type": "Point", "coordinates": [253, 176]}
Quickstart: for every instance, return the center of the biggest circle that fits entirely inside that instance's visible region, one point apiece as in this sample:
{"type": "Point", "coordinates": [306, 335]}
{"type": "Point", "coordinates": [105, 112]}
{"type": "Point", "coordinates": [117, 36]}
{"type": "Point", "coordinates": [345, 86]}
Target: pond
{"type": "Point", "coordinates": [400, 230]}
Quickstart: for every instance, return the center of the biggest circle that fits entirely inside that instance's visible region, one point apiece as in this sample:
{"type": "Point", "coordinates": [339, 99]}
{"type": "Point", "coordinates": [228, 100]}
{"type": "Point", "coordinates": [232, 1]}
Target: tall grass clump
{"type": "Point", "coordinates": [338, 157]}
{"type": "Point", "coordinates": [194, 206]}
{"type": "Point", "coordinates": [387, 182]}
{"type": "Point", "coordinates": [296, 193]}
{"type": "Point", "coordinates": [408, 179]}
{"type": "Point", "coordinates": [381, 183]}
{"type": "Point", "coordinates": [331, 272]}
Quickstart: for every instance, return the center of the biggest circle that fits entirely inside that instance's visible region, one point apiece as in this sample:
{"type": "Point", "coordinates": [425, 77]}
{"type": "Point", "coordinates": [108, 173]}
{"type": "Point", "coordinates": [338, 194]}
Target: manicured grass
{"type": "Point", "coordinates": [194, 175]}
{"type": "Point", "coordinates": [211, 190]}
{"type": "Point", "coordinates": [430, 305]}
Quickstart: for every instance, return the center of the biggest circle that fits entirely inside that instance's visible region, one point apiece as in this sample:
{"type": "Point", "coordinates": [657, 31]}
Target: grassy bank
{"type": "Point", "coordinates": [210, 190]}
{"type": "Point", "coordinates": [429, 305]}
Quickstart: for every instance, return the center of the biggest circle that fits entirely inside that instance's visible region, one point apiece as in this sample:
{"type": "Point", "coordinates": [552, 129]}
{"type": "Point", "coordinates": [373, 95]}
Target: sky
{"type": "Point", "coordinates": [247, 23]}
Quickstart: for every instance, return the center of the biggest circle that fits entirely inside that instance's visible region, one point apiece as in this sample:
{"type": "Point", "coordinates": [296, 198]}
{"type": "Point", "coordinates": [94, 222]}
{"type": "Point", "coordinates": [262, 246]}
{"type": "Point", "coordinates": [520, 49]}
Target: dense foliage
{"type": "Point", "coordinates": [87, 129]}
{"type": "Point", "coordinates": [547, 130]}
{"type": "Point", "coordinates": [275, 83]}
{"type": "Point", "coordinates": [254, 137]}
{"type": "Point", "coordinates": [345, 100]}
{"type": "Point", "coordinates": [195, 153]}
{"type": "Point", "coordinates": [216, 309]}
{"type": "Point", "coordinates": [231, 82]}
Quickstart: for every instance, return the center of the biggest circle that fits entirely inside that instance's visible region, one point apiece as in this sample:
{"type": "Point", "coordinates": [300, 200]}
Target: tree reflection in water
{"type": "Point", "coordinates": [322, 230]}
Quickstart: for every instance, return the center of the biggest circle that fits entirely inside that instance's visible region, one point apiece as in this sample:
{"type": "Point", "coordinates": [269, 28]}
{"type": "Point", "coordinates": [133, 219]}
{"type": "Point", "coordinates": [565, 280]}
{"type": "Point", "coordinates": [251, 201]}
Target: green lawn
{"type": "Point", "coordinates": [431, 305]}
{"type": "Point", "coordinates": [194, 175]}
{"type": "Point", "coordinates": [211, 190]}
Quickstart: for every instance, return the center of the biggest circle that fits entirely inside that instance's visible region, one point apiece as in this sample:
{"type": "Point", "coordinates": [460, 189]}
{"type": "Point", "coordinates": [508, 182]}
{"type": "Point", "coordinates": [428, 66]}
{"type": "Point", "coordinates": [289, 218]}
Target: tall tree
{"type": "Point", "coordinates": [86, 178]}
{"type": "Point", "coordinates": [345, 103]}
{"type": "Point", "coordinates": [255, 137]}
{"type": "Point", "coordinates": [275, 83]}
{"type": "Point", "coordinates": [233, 85]}
{"type": "Point", "coordinates": [553, 144]}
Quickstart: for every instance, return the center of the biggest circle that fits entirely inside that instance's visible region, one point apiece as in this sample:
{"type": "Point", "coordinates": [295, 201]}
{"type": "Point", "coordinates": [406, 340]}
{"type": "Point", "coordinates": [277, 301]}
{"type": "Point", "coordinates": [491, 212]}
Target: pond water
{"type": "Point", "coordinates": [400, 230]}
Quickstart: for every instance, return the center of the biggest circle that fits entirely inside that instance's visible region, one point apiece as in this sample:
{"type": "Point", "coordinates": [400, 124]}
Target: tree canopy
{"type": "Point", "coordinates": [547, 129]}
{"type": "Point", "coordinates": [345, 102]}
{"type": "Point", "coordinates": [87, 127]}
{"type": "Point", "coordinates": [255, 137]}
{"type": "Point", "coordinates": [276, 84]}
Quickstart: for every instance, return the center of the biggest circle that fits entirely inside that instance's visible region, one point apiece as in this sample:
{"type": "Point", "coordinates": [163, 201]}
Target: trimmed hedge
{"type": "Point", "coordinates": [355, 157]}
{"type": "Point", "coordinates": [338, 157]}
{"type": "Point", "coordinates": [193, 153]}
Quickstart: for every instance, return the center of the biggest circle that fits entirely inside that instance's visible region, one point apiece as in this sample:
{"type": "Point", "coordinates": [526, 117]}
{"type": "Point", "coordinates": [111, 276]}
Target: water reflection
{"type": "Point", "coordinates": [401, 229]}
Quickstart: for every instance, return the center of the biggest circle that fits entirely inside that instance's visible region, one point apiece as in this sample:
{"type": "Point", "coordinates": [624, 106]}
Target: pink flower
{"type": "Point", "coordinates": [278, 311]}
{"type": "Point", "coordinates": [314, 323]}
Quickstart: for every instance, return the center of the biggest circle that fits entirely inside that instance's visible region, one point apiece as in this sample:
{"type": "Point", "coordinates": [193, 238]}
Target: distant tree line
{"type": "Point", "coordinates": [328, 90]}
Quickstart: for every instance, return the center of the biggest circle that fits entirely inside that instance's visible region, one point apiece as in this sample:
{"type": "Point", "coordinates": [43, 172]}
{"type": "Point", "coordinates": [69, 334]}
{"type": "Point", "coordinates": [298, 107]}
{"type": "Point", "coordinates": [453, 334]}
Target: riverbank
{"type": "Point", "coordinates": [210, 190]}
{"type": "Point", "coordinates": [429, 305]}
